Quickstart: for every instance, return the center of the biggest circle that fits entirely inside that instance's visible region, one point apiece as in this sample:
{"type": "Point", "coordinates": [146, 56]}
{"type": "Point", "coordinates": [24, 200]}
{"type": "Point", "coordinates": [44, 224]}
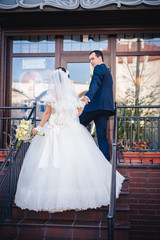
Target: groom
{"type": "Point", "coordinates": [99, 100]}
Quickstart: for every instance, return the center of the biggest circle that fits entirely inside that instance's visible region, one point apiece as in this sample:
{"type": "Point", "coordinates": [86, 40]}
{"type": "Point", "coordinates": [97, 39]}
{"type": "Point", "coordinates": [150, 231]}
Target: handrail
{"type": "Point", "coordinates": [16, 108]}
{"type": "Point", "coordinates": [112, 206]}
{"type": "Point", "coordinates": [138, 106]}
{"type": "Point", "coordinates": [9, 180]}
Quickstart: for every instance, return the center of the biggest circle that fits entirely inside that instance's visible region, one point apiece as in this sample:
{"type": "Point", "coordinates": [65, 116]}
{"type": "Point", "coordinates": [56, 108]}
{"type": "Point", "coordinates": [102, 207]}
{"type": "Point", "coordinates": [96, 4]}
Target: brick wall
{"type": "Point", "coordinates": [144, 200]}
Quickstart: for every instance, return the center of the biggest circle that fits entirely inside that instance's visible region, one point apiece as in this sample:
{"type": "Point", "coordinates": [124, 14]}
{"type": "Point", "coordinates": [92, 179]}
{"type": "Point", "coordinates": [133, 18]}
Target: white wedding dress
{"type": "Point", "coordinates": [64, 169]}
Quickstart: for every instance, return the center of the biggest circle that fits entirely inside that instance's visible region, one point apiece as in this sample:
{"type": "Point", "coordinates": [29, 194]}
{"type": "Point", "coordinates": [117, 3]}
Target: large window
{"type": "Point", "coordinates": [33, 60]}
{"type": "Point", "coordinates": [138, 69]}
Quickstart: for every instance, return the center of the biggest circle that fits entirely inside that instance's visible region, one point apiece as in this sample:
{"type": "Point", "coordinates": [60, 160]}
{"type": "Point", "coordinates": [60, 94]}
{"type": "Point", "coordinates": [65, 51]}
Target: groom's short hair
{"type": "Point", "coordinates": [98, 53]}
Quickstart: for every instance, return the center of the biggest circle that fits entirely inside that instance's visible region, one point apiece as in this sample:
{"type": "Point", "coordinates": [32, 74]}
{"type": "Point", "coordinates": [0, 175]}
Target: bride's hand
{"type": "Point", "coordinates": [34, 131]}
{"type": "Point", "coordinates": [85, 99]}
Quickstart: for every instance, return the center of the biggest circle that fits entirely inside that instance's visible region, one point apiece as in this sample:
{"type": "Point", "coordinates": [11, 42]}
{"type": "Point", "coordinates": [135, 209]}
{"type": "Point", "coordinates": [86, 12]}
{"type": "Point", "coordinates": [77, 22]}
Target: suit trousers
{"type": "Point", "coordinates": [100, 118]}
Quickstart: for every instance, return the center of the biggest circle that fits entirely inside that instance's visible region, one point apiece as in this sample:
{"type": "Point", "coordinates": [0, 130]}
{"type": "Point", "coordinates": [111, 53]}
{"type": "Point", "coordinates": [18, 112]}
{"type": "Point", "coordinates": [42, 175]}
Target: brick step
{"type": "Point", "coordinates": [3, 154]}
{"type": "Point", "coordinates": [98, 214]}
{"type": "Point", "coordinates": [56, 229]}
{"type": "Point", "coordinates": [81, 225]}
{"type": "Point", "coordinates": [125, 185]}
{"type": "Point", "coordinates": [2, 159]}
{"type": "Point", "coordinates": [123, 198]}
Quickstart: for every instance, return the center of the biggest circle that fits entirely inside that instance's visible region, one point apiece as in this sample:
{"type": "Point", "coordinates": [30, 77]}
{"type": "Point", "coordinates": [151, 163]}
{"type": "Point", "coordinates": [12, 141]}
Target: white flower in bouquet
{"type": "Point", "coordinates": [24, 131]}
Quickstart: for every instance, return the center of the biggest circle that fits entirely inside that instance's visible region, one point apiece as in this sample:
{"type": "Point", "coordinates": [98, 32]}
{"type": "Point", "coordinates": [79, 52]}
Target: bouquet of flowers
{"type": "Point", "coordinates": [24, 131]}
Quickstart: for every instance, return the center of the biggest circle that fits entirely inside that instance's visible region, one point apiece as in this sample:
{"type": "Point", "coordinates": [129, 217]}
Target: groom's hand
{"type": "Point", "coordinates": [85, 99]}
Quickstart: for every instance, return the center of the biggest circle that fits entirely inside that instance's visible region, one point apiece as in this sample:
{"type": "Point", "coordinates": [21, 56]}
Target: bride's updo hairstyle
{"type": "Point", "coordinates": [64, 70]}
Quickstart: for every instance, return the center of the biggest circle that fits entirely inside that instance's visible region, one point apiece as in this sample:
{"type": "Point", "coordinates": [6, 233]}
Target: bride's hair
{"type": "Point", "coordinates": [64, 70]}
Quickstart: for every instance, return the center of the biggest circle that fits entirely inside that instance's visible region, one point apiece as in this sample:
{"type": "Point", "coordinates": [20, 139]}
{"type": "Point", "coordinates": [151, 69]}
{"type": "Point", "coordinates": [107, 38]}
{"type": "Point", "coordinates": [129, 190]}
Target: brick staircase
{"type": "Point", "coordinates": [71, 225]}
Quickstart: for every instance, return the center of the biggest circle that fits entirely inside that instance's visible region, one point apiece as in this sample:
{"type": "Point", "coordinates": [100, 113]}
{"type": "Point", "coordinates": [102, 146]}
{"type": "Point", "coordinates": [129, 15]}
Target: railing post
{"type": "Point", "coordinates": [110, 228]}
{"type": "Point", "coordinates": [112, 206]}
{"type": "Point", "coordinates": [11, 184]}
{"type": "Point", "coordinates": [34, 113]}
{"type": "Point", "coordinates": [159, 133]}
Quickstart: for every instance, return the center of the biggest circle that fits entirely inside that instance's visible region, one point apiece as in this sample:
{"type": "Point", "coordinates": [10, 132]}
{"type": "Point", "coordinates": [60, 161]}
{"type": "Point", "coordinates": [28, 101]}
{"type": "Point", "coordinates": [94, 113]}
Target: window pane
{"type": "Point", "coordinates": [79, 72]}
{"type": "Point", "coordinates": [151, 42]}
{"type": "Point", "coordinates": [80, 75]}
{"type": "Point", "coordinates": [138, 80]}
{"type": "Point", "coordinates": [85, 42]}
{"type": "Point", "coordinates": [30, 78]}
{"type": "Point", "coordinates": [34, 44]}
{"type": "Point", "coordinates": [138, 42]}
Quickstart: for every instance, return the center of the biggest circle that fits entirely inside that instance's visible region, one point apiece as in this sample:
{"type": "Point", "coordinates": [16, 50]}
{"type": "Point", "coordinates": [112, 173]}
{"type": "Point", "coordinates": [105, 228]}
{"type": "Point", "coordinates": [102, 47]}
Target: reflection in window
{"type": "Point", "coordinates": [138, 80]}
{"type": "Point", "coordinates": [34, 44]}
{"type": "Point", "coordinates": [30, 78]}
{"type": "Point", "coordinates": [138, 42]}
{"type": "Point", "coordinates": [80, 74]}
{"type": "Point", "coordinates": [85, 42]}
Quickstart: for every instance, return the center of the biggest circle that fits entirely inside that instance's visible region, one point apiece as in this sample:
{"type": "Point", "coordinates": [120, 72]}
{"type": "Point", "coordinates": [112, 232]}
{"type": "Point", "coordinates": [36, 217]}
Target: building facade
{"type": "Point", "coordinates": [38, 36]}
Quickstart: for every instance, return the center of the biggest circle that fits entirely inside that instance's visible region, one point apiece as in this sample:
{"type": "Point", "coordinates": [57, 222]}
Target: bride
{"type": "Point", "coordinates": [64, 169]}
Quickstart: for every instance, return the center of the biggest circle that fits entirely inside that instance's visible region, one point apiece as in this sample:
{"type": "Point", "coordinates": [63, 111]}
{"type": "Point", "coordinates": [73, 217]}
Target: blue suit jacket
{"type": "Point", "coordinates": [100, 91]}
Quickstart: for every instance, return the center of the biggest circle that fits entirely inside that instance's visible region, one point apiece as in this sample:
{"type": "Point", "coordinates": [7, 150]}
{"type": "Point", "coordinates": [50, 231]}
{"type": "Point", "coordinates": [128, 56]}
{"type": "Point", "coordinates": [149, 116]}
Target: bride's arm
{"type": "Point", "coordinates": [80, 110]}
{"type": "Point", "coordinates": [45, 116]}
{"type": "Point", "coordinates": [44, 119]}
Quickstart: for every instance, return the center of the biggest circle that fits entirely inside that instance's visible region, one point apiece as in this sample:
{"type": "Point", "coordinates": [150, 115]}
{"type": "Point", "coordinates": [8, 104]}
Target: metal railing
{"type": "Point", "coordinates": [112, 206]}
{"type": "Point", "coordinates": [138, 133]}
{"type": "Point", "coordinates": [11, 166]}
{"type": "Point", "coordinates": [9, 122]}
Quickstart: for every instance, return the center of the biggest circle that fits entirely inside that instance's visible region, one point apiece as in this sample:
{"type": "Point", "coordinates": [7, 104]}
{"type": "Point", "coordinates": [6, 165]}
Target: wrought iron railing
{"type": "Point", "coordinates": [10, 167]}
{"type": "Point", "coordinates": [138, 134]}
